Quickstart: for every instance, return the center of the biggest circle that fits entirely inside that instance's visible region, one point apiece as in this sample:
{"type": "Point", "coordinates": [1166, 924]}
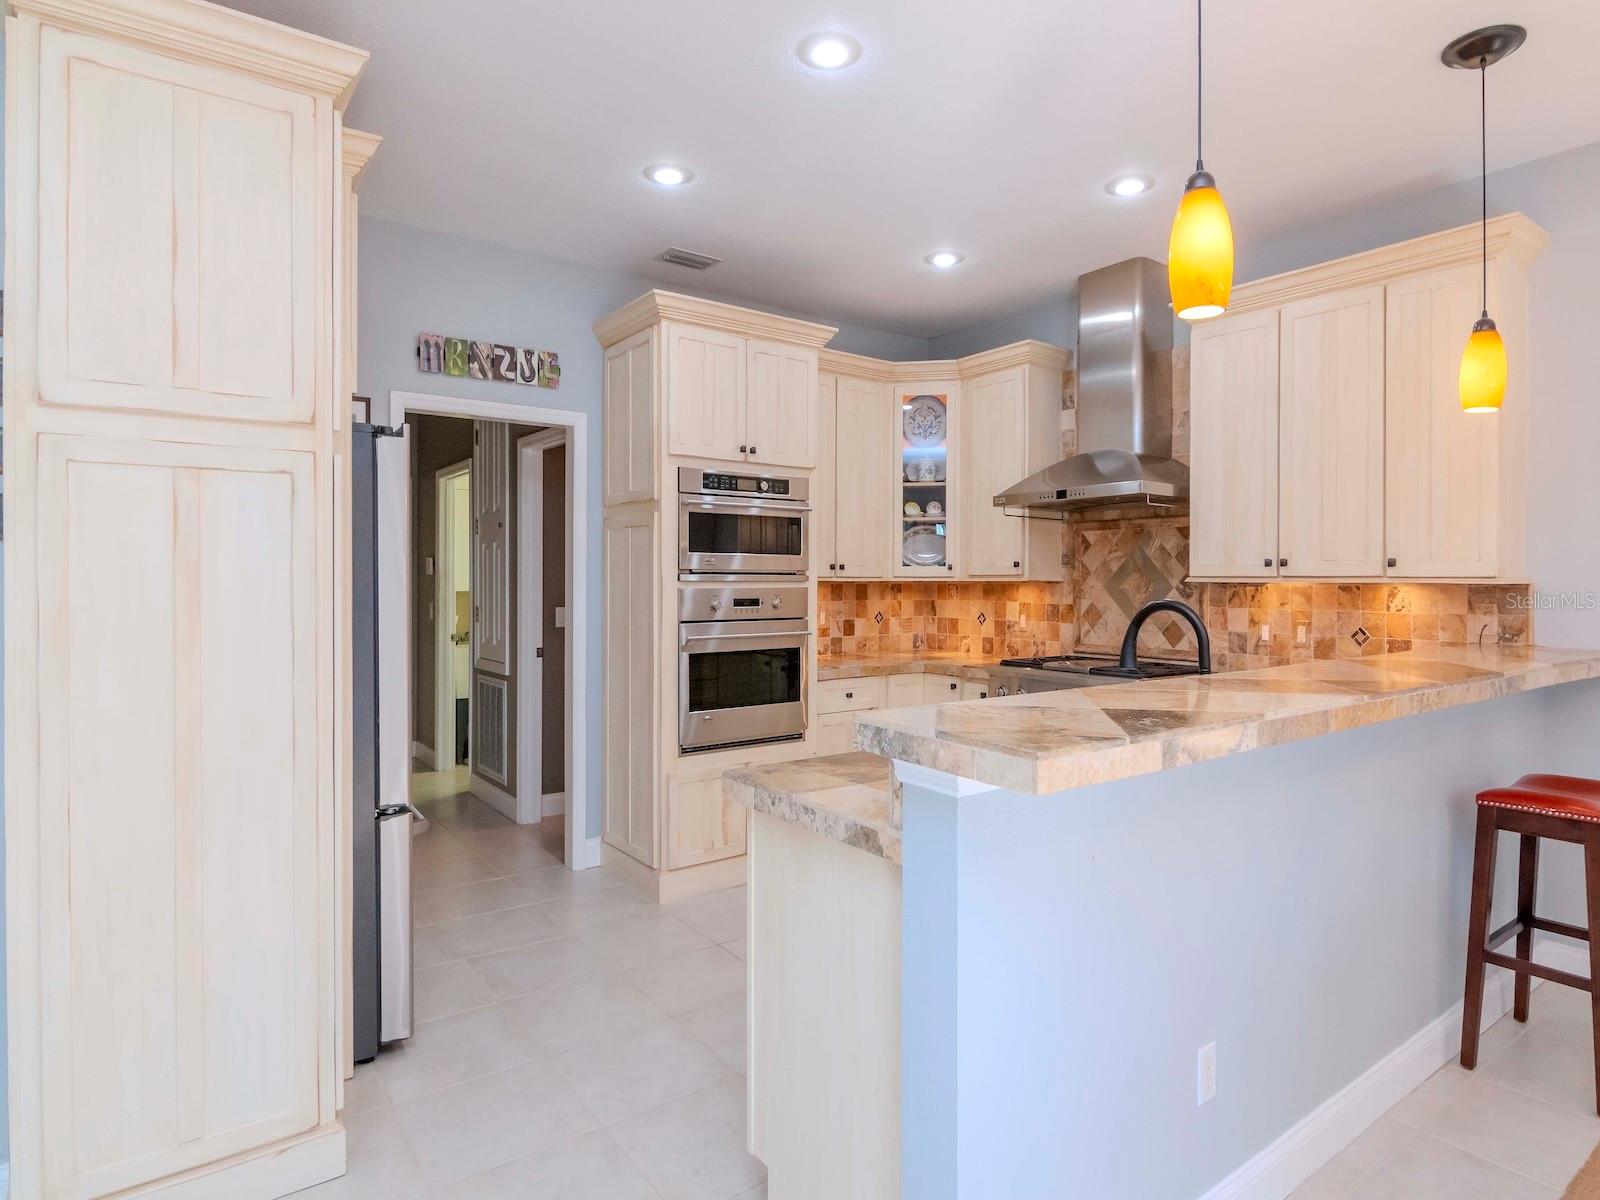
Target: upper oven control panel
{"type": "Point", "coordinates": [743, 602]}
{"type": "Point", "coordinates": [697, 481]}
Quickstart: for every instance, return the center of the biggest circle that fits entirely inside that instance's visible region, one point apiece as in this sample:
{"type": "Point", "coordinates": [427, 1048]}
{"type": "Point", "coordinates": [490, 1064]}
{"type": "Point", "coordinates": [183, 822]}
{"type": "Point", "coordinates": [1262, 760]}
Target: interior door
{"type": "Point", "coordinates": [1330, 421]}
{"type": "Point", "coordinates": [1233, 463]}
{"type": "Point", "coordinates": [865, 424]}
{"type": "Point", "coordinates": [491, 546]}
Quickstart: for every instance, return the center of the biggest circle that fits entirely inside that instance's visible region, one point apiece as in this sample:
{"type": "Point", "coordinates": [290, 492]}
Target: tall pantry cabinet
{"type": "Point", "coordinates": [176, 411]}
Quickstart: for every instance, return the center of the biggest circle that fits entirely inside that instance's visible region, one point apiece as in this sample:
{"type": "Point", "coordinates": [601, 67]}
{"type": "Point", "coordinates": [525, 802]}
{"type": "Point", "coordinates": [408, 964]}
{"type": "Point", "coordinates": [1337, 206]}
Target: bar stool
{"type": "Point", "coordinates": [1567, 809]}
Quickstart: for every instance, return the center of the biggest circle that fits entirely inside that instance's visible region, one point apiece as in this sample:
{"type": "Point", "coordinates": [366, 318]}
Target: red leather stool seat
{"type": "Point", "coordinates": [1566, 796]}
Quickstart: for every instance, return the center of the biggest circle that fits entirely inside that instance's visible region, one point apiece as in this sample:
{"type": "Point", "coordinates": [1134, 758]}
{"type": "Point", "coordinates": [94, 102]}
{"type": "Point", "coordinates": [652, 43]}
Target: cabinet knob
{"type": "Point", "coordinates": [1392, 563]}
{"type": "Point", "coordinates": [1266, 562]}
{"type": "Point", "coordinates": [833, 566]}
{"type": "Point", "coordinates": [744, 449]}
{"type": "Point", "coordinates": [953, 687]}
{"type": "Point", "coordinates": [849, 695]}
{"type": "Point", "coordinates": [1017, 564]}
{"type": "Point", "coordinates": [752, 449]}
{"type": "Point", "coordinates": [841, 566]}
{"type": "Point", "coordinates": [1283, 562]}
{"type": "Point", "coordinates": [951, 567]}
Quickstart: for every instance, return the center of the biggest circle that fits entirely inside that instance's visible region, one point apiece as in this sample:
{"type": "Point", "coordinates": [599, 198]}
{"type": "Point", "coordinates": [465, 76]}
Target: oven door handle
{"type": "Point", "coordinates": [743, 502]}
{"type": "Point", "coordinates": [773, 641]}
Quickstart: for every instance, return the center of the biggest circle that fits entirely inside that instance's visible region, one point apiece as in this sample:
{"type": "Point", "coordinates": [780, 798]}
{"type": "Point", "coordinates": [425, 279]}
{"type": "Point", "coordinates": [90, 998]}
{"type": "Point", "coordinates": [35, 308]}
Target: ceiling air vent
{"type": "Point", "coordinates": [687, 258]}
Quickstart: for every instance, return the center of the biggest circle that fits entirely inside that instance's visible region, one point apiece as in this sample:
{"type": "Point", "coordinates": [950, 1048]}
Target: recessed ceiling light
{"type": "Point", "coordinates": [668, 175]}
{"type": "Point", "coordinates": [942, 259]}
{"type": "Point", "coordinates": [829, 51]}
{"type": "Point", "coordinates": [1130, 185]}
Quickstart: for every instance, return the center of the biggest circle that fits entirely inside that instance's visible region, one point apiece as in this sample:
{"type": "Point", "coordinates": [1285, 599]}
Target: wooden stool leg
{"type": "Point", "coordinates": [1527, 884]}
{"type": "Point", "coordinates": [1477, 933]}
{"type": "Point", "coordinates": [1591, 871]}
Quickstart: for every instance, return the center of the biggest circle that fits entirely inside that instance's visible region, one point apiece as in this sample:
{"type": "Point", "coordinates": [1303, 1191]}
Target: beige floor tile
{"type": "Point", "coordinates": [592, 1167]}
{"type": "Point", "coordinates": [533, 968]}
{"type": "Point", "coordinates": [720, 916]}
{"type": "Point", "coordinates": [519, 856]}
{"type": "Point", "coordinates": [1548, 1068]}
{"type": "Point", "coordinates": [694, 1148]}
{"type": "Point", "coordinates": [596, 908]}
{"type": "Point", "coordinates": [363, 1093]}
{"type": "Point", "coordinates": [1313, 1191]}
{"type": "Point", "coordinates": [738, 948]}
{"type": "Point", "coordinates": [640, 938]}
{"type": "Point", "coordinates": [431, 945]}
{"type": "Point", "coordinates": [1528, 1136]}
{"type": "Point", "coordinates": [1427, 1169]}
{"type": "Point", "coordinates": [620, 1076]}
{"type": "Point", "coordinates": [558, 883]}
{"type": "Point", "coordinates": [449, 1051]}
{"type": "Point", "coordinates": [759, 1192]}
{"type": "Point", "coordinates": [1347, 1172]}
{"type": "Point", "coordinates": [722, 1029]}
{"type": "Point", "coordinates": [1437, 1091]}
{"type": "Point", "coordinates": [561, 1018]}
{"type": "Point", "coordinates": [690, 981]}
{"type": "Point", "coordinates": [503, 929]}
{"type": "Point", "coordinates": [447, 989]}
{"type": "Point", "coordinates": [448, 904]}
{"type": "Point", "coordinates": [379, 1164]}
{"type": "Point", "coordinates": [475, 816]}
{"type": "Point", "coordinates": [468, 1129]}
{"type": "Point", "coordinates": [428, 877]}
{"type": "Point", "coordinates": [436, 845]}
{"type": "Point", "coordinates": [1562, 1012]}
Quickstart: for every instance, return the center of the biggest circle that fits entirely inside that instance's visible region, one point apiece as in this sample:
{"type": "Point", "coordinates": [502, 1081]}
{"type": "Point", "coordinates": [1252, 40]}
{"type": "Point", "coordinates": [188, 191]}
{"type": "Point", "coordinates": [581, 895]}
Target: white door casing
{"type": "Point", "coordinates": [530, 608]}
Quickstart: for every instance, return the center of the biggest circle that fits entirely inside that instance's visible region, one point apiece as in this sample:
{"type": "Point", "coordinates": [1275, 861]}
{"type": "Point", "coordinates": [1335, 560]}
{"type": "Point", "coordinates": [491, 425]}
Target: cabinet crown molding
{"type": "Point", "coordinates": [656, 306]}
{"type": "Point", "coordinates": [1026, 353]}
{"type": "Point", "coordinates": [215, 36]}
{"type": "Point", "coordinates": [356, 150]}
{"type": "Point", "coordinates": [1512, 234]}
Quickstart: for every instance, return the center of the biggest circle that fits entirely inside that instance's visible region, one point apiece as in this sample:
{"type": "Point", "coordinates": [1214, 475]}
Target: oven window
{"type": "Point", "coordinates": [743, 679]}
{"type": "Point", "coordinates": [744, 533]}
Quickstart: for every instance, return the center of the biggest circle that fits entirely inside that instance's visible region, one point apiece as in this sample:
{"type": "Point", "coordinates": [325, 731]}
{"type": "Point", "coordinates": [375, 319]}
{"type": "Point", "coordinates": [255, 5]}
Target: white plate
{"type": "Point", "coordinates": [922, 546]}
{"type": "Point", "coordinates": [924, 421]}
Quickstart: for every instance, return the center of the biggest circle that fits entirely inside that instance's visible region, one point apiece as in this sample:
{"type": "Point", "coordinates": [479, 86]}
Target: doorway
{"type": "Point", "coordinates": [452, 673]}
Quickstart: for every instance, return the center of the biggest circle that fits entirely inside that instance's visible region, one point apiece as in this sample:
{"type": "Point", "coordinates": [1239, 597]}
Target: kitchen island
{"type": "Point", "coordinates": [989, 971]}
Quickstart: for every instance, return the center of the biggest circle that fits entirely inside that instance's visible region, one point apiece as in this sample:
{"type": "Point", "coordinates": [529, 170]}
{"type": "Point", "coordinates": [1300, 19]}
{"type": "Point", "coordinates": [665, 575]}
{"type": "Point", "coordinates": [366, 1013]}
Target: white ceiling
{"type": "Point", "coordinates": [991, 128]}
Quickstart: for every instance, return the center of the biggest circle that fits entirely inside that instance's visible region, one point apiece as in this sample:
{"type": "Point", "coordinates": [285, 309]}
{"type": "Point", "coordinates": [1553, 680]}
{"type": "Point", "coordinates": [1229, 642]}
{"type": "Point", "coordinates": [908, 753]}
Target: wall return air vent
{"type": "Point", "coordinates": [680, 257]}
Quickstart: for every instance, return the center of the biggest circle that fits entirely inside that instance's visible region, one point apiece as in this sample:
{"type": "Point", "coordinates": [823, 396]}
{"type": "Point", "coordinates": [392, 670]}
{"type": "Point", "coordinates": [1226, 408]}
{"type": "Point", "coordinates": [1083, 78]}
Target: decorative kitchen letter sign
{"type": "Point", "coordinates": [441, 355]}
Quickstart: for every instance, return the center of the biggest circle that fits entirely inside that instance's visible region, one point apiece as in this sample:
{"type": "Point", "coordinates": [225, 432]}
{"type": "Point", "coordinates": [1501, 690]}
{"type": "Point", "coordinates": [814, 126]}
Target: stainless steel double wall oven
{"type": "Point", "coordinates": [743, 608]}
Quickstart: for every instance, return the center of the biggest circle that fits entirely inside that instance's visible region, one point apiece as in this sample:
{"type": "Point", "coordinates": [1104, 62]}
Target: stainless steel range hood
{"type": "Point", "coordinates": [1124, 399]}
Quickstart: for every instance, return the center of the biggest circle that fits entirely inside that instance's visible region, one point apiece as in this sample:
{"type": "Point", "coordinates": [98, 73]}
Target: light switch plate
{"type": "Point", "coordinates": [561, 617]}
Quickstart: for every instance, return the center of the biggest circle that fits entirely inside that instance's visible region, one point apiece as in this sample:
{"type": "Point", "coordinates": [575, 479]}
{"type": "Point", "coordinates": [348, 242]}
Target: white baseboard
{"type": "Point", "coordinates": [552, 804]}
{"type": "Point", "coordinates": [502, 801]}
{"type": "Point", "coordinates": [1298, 1153]}
{"type": "Point", "coordinates": [424, 755]}
{"type": "Point", "coordinates": [5, 1179]}
{"type": "Point", "coordinates": [586, 854]}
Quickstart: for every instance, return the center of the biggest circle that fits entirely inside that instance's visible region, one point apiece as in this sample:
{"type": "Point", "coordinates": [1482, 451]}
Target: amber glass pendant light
{"type": "Point", "coordinates": [1200, 250]}
{"type": "Point", "coordinates": [1482, 382]}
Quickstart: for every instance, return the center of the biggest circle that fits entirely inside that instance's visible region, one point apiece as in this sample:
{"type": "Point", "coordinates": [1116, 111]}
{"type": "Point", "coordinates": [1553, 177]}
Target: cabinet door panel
{"type": "Point", "coordinates": [630, 420]}
{"type": "Point", "coordinates": [703, 825]}
{"type": "Point", "coordinates": [836, 733]}
{"type": "Point", "coordinates": [941, 689]}
{"type": "Point", "coordinates": [824, 495]}
{"type": "Point", "coordinates": [1441, 464]}
{"type": "Point", "coordinates": [994, 450]}
{"type": "Point", "coordinates": [1233, 414]}
{"type": "Point", "coordinates": [864, 487]}
{"type": "Point", "coordinates": [180, 798]}
{"type": "Point", "coordinates": [781, 405]}
{"type": "Point", "coordinates": [630, 634]}
{"type": "Point", "coordinates": [177, 236]}
{"type": "Point", "coordinates": [1330, 416]}
{"type": "Point", "coordinates": [706, 393]}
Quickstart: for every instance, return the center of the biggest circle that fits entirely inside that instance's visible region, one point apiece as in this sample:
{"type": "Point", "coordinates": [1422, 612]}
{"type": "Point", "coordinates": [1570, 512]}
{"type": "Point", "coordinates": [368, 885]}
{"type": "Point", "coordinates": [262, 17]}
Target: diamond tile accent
{"type": "Point", "coordinates": [1361, 637]}
{"type": "Point", "coordinates": [982, 620]}
{"type": "Point", "coordinates": [878, 617]}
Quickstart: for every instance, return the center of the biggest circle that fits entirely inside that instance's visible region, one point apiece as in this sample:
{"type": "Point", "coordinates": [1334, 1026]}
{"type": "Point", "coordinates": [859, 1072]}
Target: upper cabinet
{"type": "Point", "coordinates": [1233, 447]}
{"type": "Point", "coordinates": [706, 374]}
{"type": "Point", "coordinates": [1327, 435]}
{"type": "Point", "coordinates": [1330, 435]}
{"type": "Point", "coordinates": [927, 472]}
{"type": "Point", "coordinates": [1443, 487]}
{"type": "Point", "coordinates": [780, 412]}
{"type": "Point", "coordinates": [854, 495]}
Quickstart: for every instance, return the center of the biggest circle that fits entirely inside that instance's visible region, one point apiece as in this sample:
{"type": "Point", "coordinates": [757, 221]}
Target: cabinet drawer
{"type": "Point", "coordinates": [849, 695]}
{"type": "Point", "coordinates": [974, 691]}
{"type": "Point", "coordinates": [940, 689]}
{"type": "Point", "coordinates": [906, 691]}
{"type": "Point", "coordinates": [836, 733]}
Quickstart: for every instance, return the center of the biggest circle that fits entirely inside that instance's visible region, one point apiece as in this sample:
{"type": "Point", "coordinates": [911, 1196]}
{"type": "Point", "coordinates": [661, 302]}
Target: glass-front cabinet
{"type": "Point", "coordinates": [927, 492]}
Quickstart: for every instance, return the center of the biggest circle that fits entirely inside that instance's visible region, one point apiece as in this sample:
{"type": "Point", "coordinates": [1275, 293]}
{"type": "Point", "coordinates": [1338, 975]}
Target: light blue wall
{"type": "Point", "coordinates": [413, 281]}
{"type": "Point", "coordinates": [1055, 323]}
{"type": "Point", "coordinates": [1303, 906]}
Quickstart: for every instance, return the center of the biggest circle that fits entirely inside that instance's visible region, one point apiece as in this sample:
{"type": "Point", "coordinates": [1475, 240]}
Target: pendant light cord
{"type": "Point", "coordinates": [1199, 85]}
{"type": "Point", "coordinates": [1483, 175]}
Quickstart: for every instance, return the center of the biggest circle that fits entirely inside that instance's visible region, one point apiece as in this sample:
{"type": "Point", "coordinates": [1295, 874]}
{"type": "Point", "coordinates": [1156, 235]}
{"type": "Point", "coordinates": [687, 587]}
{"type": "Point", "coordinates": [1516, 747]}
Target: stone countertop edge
{"type": "Point", "coordinates": [1054, 741]}
{"type": "Point", "coordinates": [971, 667]}
{"type": "Point", "coordinates": [844, 797]}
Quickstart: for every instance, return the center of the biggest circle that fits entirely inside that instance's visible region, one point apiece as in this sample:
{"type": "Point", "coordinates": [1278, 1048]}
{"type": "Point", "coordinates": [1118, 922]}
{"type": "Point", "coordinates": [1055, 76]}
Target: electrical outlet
{"type": "Point", "coordinates": [1300, 634]}
{"type": "Point", "coordinates": [1266, 633]}
{"type": "Point", "coordinates": [1205, 1084]}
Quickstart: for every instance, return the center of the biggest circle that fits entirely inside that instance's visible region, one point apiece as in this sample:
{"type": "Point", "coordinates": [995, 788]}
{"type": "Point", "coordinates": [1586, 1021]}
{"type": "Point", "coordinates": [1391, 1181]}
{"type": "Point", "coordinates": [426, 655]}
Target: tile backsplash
{"type": "Point", "coordinates": [1118, 563]}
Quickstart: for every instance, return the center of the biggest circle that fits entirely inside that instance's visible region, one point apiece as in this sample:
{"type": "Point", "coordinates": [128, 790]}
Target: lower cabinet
{"type": "Point", "coordinates": [840, 700]}
{"type": "Point", "coordinates": [702, 825]}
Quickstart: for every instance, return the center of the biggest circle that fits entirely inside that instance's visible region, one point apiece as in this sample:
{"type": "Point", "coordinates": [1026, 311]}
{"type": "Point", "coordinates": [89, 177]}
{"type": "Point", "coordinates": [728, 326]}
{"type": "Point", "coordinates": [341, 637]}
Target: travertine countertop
{"type": "Point", "coordinates": [1052, 741]}
{"type": "Point", "coordinates": [845, 797]}
{"type": "Point", "coordinates": [927, 662]}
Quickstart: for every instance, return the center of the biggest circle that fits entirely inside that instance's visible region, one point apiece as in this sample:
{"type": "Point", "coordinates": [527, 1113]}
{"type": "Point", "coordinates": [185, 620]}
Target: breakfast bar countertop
{"type": "Point", "coordinates": [846, 797]}
{"type": "Point", "coordinates": [1049, 742]}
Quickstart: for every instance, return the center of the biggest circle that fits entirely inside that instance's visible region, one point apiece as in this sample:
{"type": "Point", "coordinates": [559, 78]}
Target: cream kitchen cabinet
{"type": "Point", "coordinates": [780, 412]}
{"type": "Point", "coordinates": [706, 374]}
{"type": "Point", "coordinates": [852, 522]}
{"type": "Point", "coordinates": [1326, 431]}
{"type": "Point", "coordinates": [1233, 464]}
{"type": "Point", "coordinates": [177, 428]}
{"type": "Point", "coordinates": [1442, 489]}
{"type": "Point", "coordinates": [928, 472]}
{"type": "Point", "coordinates": [1330, 435]}
{"type": "Point", "coordinates": [702, 824]}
